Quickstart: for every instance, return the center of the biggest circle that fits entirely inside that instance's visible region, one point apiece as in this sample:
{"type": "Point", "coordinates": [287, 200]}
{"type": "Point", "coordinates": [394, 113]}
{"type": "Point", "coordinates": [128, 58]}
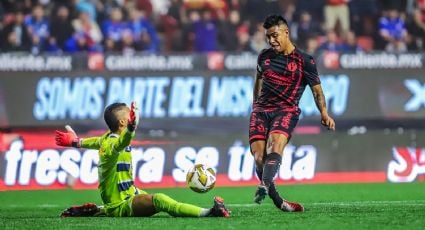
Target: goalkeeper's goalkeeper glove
{"type": "Point", "coordinates": [134, 117]}
{"type": "Point", "coordinates": [67, 139]}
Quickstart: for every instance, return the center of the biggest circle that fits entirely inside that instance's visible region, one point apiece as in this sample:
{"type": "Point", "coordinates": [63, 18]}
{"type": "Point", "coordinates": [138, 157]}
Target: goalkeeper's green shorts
{"type": "Point", "coordinates": [121, 208]}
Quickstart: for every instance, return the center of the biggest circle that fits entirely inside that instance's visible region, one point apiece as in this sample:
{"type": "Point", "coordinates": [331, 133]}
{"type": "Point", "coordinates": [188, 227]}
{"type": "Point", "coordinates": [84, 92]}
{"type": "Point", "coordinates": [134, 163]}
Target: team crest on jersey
{"type": "Point", "coordinates": [128, 148]}
{"type": "Point", "coordinates": [292, 66]}
{"type": "Point", "coordinates": [267, 62]}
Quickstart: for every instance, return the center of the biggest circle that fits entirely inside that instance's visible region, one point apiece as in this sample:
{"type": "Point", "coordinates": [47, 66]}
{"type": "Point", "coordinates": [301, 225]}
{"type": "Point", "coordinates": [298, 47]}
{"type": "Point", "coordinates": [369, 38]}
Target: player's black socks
{"type": "Point", "coordinates": [273, 193]}
{"type": "Point", "coordinates": [271, 166]}
{"type": "Point", "coordinates": [259, 172]}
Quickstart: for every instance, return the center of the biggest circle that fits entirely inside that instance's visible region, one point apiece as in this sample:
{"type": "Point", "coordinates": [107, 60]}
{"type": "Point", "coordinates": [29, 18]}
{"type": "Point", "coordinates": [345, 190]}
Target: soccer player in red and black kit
{"type": "Point", "coordinates": [283, 72]}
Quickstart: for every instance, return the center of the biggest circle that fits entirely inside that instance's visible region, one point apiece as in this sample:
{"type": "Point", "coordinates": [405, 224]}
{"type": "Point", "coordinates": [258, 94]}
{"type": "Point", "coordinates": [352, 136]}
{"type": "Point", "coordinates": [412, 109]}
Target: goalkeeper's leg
{"type": "Point", "coordinates": [148, 205]}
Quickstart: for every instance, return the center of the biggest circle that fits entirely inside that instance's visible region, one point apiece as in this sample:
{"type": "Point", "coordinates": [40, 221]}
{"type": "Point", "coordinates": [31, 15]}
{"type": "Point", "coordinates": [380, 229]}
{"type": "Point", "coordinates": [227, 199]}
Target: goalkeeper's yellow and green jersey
{"type": "Point", "coordinates": [115, 166]}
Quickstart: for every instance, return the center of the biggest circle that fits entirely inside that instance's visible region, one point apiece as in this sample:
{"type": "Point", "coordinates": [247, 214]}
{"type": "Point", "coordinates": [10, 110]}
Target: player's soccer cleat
{"type": "Point", "coordinates": [260, 194]}
{"type": "Point", "coordinates": [84, 210]}
{"type": "Point", "coordinates": [219, 210]}
{"type": "Point", "coordinates": [288, 206]}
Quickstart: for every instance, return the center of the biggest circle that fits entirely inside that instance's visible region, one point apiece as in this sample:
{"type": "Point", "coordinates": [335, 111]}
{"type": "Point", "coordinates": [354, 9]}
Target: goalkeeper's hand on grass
{"type": "Point", "coordinates": [67, 139]}
{"type": "Point", "coordinates": [134, 117]}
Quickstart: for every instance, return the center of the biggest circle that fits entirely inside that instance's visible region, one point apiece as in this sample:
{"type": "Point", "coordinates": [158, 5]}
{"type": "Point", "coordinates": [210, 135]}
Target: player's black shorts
{"type": "Point", "coordinates": [263, 123]}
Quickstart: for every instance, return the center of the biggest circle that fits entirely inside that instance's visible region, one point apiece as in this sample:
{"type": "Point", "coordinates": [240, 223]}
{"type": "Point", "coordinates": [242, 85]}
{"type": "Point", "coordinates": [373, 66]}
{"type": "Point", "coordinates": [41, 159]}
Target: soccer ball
{"type": "Point", "coordinates": [201, 178]}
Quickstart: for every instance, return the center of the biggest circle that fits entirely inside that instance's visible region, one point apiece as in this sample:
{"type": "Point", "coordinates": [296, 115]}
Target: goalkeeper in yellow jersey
{"type": "Point", "coordinates": [119, 195]}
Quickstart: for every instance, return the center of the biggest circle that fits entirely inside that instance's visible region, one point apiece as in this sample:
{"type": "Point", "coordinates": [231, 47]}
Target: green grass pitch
{"type": "Point", "coordinates": [331, 206]}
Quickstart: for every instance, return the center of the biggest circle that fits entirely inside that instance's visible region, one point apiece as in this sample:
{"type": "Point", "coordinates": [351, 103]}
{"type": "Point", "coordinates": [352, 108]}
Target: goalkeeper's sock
{"type": "Point", "coordinates": [270, 168]}
{"type": "Point", "coordinates": [273, 193]}
{"type": "Point", "coordinates": [166, 204]}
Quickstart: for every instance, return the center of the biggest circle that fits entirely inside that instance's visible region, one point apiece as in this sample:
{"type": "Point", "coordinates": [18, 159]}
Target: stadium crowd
{"type": "Point", "coordinates": [129, 26]}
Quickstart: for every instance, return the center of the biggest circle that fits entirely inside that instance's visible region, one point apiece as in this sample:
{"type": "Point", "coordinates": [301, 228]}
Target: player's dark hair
{"type": "Point", "coordinates": [110, 115]}
{"type": "Point", "coordinates": [274, 20]}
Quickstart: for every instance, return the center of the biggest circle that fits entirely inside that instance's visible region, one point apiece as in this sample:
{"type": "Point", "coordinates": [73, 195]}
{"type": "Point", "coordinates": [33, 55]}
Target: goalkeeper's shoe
{"type": "Point", "coordinates": [288, 206]}
{"type": "Point", "coordinates": [219, 210]}
{"type": "Point", "coordinates": [260, 194]}
{"type": "Point", "coordinates": [84, 210]}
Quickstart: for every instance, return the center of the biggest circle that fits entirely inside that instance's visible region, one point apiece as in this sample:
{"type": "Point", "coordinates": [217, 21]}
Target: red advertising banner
{"type": "Point", "coordinates": [30, 160]}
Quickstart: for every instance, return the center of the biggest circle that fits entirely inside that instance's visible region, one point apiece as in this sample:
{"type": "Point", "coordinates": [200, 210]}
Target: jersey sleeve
{"type": "Point", "coordinates": [122, 141]}
{"type": "Point", "coordinates": [310, 71]}
{"type": "Point", "coordinates": [93, 142]}
{"type": "Point", "coordinates": [259, 64]}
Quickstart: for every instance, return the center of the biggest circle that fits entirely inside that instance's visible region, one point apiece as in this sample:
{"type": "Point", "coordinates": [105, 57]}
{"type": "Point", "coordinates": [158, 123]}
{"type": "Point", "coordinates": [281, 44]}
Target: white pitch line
{"type": "Point", "coordinates": [350, 203]}
{"type": "Point", "coordinates": [346, 203]}
{"type": "Point", "coordinates": [37, 206]}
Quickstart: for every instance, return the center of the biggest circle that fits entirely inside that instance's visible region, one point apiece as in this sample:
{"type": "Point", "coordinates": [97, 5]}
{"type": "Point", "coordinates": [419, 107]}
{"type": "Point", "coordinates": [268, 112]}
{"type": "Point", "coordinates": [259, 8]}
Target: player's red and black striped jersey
{"type": "Point", "coordinates": [284, 79]}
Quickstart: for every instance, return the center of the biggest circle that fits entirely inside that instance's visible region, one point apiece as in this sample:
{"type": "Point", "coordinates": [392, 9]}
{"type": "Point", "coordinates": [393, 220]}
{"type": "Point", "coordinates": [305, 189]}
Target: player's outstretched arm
{"type": "Point", "coordinates": [70, 139]}
{"type": "Point", "coordinates": [128, 134]}
{"type": "Point", "coordinates": [93, 142]}
{"type": "Point", "coordinates": [319, 98]}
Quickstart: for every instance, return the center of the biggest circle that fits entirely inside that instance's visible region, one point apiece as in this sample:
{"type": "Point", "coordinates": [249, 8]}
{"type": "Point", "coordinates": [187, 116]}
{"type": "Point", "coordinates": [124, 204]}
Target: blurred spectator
{"type": "Point", "coordinates": [177, 11]}
{"type": "Point", "coordinates": [15, 36]}
{"type": "Point", "coordinates": [312, 46]}
{"type": "Point", "coordinates": [113, 29]}
{"type": "Point", "coordinates": [243, 39]}
{"type": "Point", "coordinates": [337, 11]}
{"type": "Point", "coordinates": [227, 27]}
{"type": "Point", "coordinates": [38, 28]}
{"type": "Point", "coordinates": [288, 12]}
{"type": "Point", "coordinates": [258, 39]}
{"type": "Point", "coordinates": [350, 43]}
{"type": "Point", "coordinates": [393, 31]}
{"type": "Point", "coordinates": [332, 43]}
{"type": "Point", "coordinates": [87, 6]}
{"type": "Point", "coordinates": [61, 29]}
{"type": "Point", "coordinates": [314, 8]}
{"type": "Point", "coordinates": [205, 33]}
{"type": "Point", "coordinates": [87, 36]}
{"type": "Point", "coordinates": [143, 31]}
{"type": "Point", "coordinates": [79, 42]}
{"type": "Point", "coordinates": [234, 5]}
{"type": "Point", "coordinates": [145, 6]}
{"type": "Point", "coordinates": [363, 15]}
{"type": "Point", "coordinates": [306, 28]}
{"type": "Point", "coordinates": [159, 7]}
{"type": "Point", "coordinates": [418, 29]}
{"type": "Point", "coordinates": [175, 26]}
{"type": "Point", "coordinates": [128, 45]}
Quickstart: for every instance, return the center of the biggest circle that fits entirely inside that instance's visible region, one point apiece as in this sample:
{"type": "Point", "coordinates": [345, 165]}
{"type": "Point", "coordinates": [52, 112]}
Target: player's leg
{"type": "Point", "coordinates": [275, 145]}
{"type": "Point", "coordinates": [330, 17]}
{"type": "Point", "coordinates": [142, 205]}
{"type": "Point", "coordinates": [149, 204]}
{"type": "Point", "coordinates": [262, 191]}
{"type": "Point", "coordinates": [280, 133]}
{"type": "Point", "coordinates": [257, 140]}
{"type": "Point", "coordinates": [258, 151]}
